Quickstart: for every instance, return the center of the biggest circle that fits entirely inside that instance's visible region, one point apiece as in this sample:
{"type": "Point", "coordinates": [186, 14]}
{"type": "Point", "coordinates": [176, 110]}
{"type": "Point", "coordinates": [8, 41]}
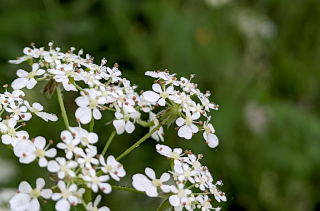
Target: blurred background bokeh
{"type": "Point", "coordinates": [259, 58]}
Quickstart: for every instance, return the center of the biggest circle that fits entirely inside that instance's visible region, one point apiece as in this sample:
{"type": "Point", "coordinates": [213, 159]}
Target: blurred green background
{"type": "Point", "coordinates": [260, 59]}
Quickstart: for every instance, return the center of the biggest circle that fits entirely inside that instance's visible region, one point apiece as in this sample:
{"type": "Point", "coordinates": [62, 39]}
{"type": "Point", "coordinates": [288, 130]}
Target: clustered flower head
{"type": "Point", "coordinates": [192, 181]}
{"type": "Point", "coordinates": [81, 166]}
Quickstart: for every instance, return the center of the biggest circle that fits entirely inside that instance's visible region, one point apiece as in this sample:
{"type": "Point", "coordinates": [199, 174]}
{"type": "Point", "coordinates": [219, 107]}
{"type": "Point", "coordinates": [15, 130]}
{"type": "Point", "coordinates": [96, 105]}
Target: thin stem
{"type": "Point", "coordinates": [108, 142]}
{"type": "Point", "coordinates": [78, 87]}
{"type": "Point", "coordinates": [140, 141]}
{"type": "Point", "coordinates": [144, 123]}
{"type": "Point", "coordinates": [91, 124]}
{"type": "Point", "coordinates": [63, 110]}
{"type": "Point", "coordinates": [107, 108]}
{"type": "Point", "coordinates": [41, 79]}
{"type": "Point", "coordinates": [126, 189]}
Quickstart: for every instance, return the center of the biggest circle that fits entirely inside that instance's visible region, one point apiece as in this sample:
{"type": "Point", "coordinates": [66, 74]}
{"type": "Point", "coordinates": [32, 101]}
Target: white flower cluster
{"type": "Point", "coordinates": [82, 168]}
{"type": "Point", "coordinates": [186, 168]}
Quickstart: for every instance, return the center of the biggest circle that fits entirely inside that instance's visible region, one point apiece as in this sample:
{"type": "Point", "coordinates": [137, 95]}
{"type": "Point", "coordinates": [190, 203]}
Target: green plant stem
{"type": "Point", "coordinates": [91, 124]}
{"type": "Point", "coordinates": [63, 110]}
{"type": "Point", "coordinates": [110, 109]}
{"type": "Point", "coordinates": [87, 196]}
{"type": "Point", "coordinates": [108, 143]}
{"type": "Point", "coordinates": [140, 141]}
{"type": "Point", "coordinates": [78, 87]}
{"type": "Point", "coordinates": [133, 190]}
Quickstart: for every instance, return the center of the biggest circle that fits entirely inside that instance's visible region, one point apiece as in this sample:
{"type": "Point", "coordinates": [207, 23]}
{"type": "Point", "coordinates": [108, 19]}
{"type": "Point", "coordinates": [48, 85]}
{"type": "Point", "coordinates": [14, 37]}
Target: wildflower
{"type": "Point", "coordinates": [187, 128]}
{"type": "Point", "coordinates": [66, 198]}
{"type": "Point", "coordinates": [27, 79]}
{"type": "Point", "coordinates": [27, 198]}
{"type": "Point", "coordinates": [113, 167]}
{"type": "Point", "coordinates": [93, 207]}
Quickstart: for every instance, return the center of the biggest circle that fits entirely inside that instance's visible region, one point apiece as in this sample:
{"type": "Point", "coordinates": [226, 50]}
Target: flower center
{"type": "Point", "coordinates": [95, 180]}
{"type": "Point", "coordinates": [207, 129]}
{"type": "Point", "coordinates": [93, 103]}
{"type": "Point", "coordinates": [175, 155]}
{"type": "Point", "coordinates": [202, 181]}
{"type": "Point", "coordinates": [108, 168]}
{"type": "Point", "coordinates": [54, 57]}
{"type": "Point", "coordinates": [188, 121]}
{"type": "Point", "coordinates": [35, 193]}
{"type": "Point", "coordinates": [187, 173]}
{"type": "Point", "coordinates": [16, 111]}
{"type": "Point", "coordinates": [65, 193]}
{"type": "Point", "coordinates": [31, 75]}
{"type": "Point", "coordinates": [87, 159]}
{"type": "Point", "coordinates": [181, 193]}
{"type": "Point", "coordinates": [11, 131]}
{"type": "Point", "coordinates": [126, 117]}
{"type": "Point", "coordinates": [196, 165]}
{"type": "Point", "coordinates": [94, 209]}
{"type": "Point", "coordinates": [206, 205]}
{"type": "Point", "coordinates": [214, 190]}
{"type": "Point", "coordinates": [85, 140]}
{"type": "Point", "coordinates": [69, 73]}
{"type": "Point", "coordinates": [64, 168]}
{"type": "Point", "coordinates": [156, 182]}
{"type": "Point", "coordinates": [70, 147]}
{"type": "Point", "coordinates": [164, 95]}
{"type": "Point", "coordinates": [40, 153]}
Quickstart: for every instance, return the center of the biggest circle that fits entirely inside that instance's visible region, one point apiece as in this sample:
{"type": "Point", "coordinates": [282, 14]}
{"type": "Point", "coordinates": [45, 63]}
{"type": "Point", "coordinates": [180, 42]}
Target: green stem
{"type": "Point", "coordinates": [41, 79]}
{"type": "Point", "coordinates": [2, 111]}
{"type": "Point", "coordinates": [140, 141]}
{"type": "Point", "coordinates": [87, 195]}
{"type": "Point", "coordinates": [78, 87]}
{"type": "Point", "coordinates": [63, 110]}
{"type": "Point", "coordinates": [107, 108]}
{"type": "Point", "coordinates": [144, 123]}
{"type": "Point", "coordinates": [108, 142]}
{"type": "Point", "coordinates": [91, 124]}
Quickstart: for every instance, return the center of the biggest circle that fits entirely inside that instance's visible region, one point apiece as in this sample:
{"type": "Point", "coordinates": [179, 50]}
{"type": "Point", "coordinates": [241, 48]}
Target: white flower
{"type": "Point", "coordinates": [218, 195]}
{"type": "Point", "coordinates": [27, 79]}
{"type": "Point", "coordinates": [208, 135]}
{"type": "Point", "coordinates": [142, 183]}
{"type": "Point", "coordinates": [205, 202]}
{"type": "Point", "coordinates": [113, 167]}
{"type": "Point", "coordinates": [70, 144]}
{"type": "Point", "coordinates": [62, 167]}
{"type": "Point", "coordinates": [88, 106]}
{"type": "Point", "coordinates": [187, 128]}
{"type": "Point", "coordinates": [114, 73]}
{"type": "Point", "coordinates": [28, 151]}
{"type": "Point", "coordinates": [11, 136]}
{"type": "Point", "coordinates": [180, 197]}
{"type": "Point", "coordinates": [87, 158]}
{"type": "Point", "coordinates": [95, 182]}
{"type": "Point", "coordinates": [37, 110]}
{"type": "Point", "coordinates": [158, 135]}
{"type": "Point", "coordinates": [18, 111]}
{"type": "Point", "coordinates": [66, 197]}
{"type": "Point", "coordinates": [84, 136]}
{"type": "Point", "coordinates": [167, 151]}
{"type": "Point", "coordinates": [94, 207]}
{"type": "Point", "coordinates": [27, 198]}
{"type": "Point", "coordinates": [183, 172]}
{"type": "Point", "coordinates": [123, 122]}
{"type": "Point", "coordinates": [62, 74]}
{"type": "Point", "coordinates": [153, 96]}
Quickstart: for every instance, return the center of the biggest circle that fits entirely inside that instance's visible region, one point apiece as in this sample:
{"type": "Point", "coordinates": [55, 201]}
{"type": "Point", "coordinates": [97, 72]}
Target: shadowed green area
{"type": "Point", "coordinates": [260, 59]}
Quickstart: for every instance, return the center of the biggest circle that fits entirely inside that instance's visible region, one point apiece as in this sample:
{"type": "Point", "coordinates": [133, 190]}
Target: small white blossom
{"type": "Point", "coordinates": [27, 79]}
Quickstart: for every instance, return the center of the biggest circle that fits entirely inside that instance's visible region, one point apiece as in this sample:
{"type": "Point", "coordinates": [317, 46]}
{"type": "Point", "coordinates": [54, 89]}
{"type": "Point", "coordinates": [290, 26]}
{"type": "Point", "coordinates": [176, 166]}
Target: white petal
{"type": "Point", "coordinates": [151, 191]}
{"type": "Point", "coordinates": [185, 132]}
{"type": "Point", "coordinates": [46, 193]}
{"type": "Point", "coordinates": [157, 88]}
{"type": "Point", "coordinates": [43, 162]}
{"type": "Point", "coordinates": [31, 83]}
{"type": "Point", "coordinates": [62, 205]}
{"type": "Point", "coordinates": [150, 173]}
{"type": "Point", "coordinates": [140, 182]}
{"type": "Point", "coordinates": [37, 106]}
{"type": "Point", "coordinates": [119, 125]}
{"type": "Point", "coordinates": [162, 102]}
{"type": "Point", "coordinates": [165, 177]}
{"type": "Point", "coordinates": [53, 166]}
{"type": "Point", "coordinates": [56, 196]}
{"type": "Point", "coordinates": [20, 201]}
{"type": "Point", "coordinates": [6, 139]}
{"type": "Point", "coordinates": [212, 140]}
{"type": "Point", "coordinates": [92, 138]}
{"type": "Point", "coordinates": [82, 101]}
{"type": "Point", "coordinates": [34, 205]}
{"type": "Point", "coordinates": [24, 187]}
{"type": "Point", "coordinates": [180, 121]}
{"type": "Point", "coordinates": [22, 73]}
{"type": "Point", "coordinates": [170, 89]}
{"type": "Point", "coordinates": [92, 93]}
{"type": "Point", "coordinates": [40, 142]}
{"type": "Point", "coordinates": [51, 153]}
{"type": "Point", "coordinates": [105, 187]}
{"type": "Point", "coordinates": [19, 83]}
{"type": "Point", "coordinates": [174, 200]}
{"type": "Point", "coordinates": [96, 114]}
{"type": "Point", "coordinates": [165, 188]}
{"type": "Point", "coordinates": [40, 183]}
{"type": "Point", "coordinates": [84, 114]}
{"type": "Point", "coordinates": [129, 127]}
{"type": "Point", "coordinates": [35, 67]}
{"type": "Point", "coordinates": [66, 136]}
{"type": "Point", "coordinates": [151, 96]}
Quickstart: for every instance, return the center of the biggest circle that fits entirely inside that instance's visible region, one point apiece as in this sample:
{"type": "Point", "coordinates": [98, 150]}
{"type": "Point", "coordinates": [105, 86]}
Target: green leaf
{"type": "Point", "coordinates": [164, 205]}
